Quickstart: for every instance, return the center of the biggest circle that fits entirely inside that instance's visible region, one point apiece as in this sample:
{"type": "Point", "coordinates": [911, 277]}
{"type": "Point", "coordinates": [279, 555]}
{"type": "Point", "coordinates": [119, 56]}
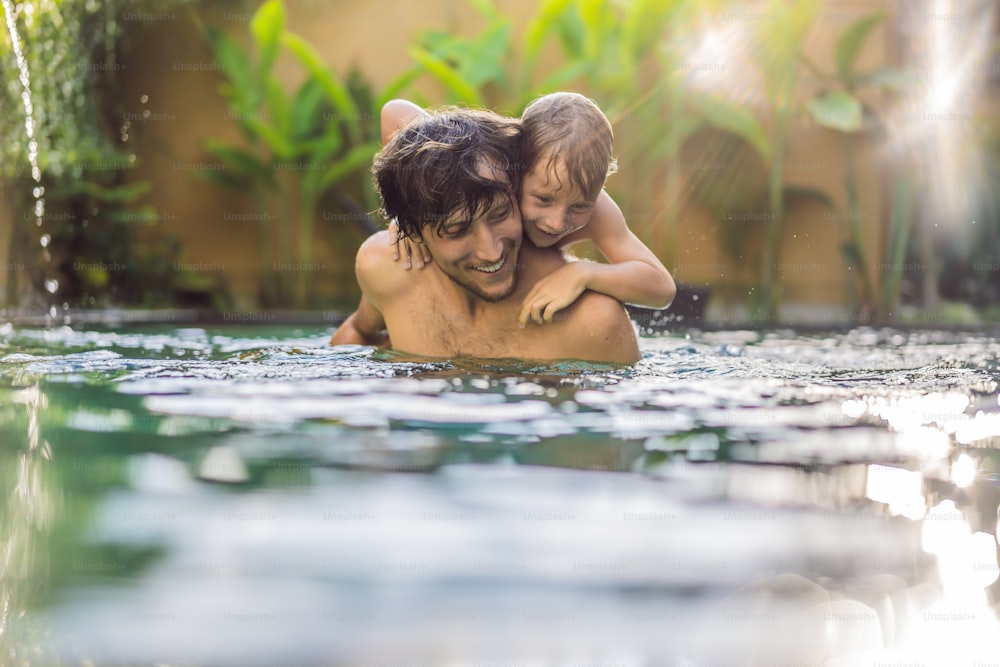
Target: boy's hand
{"type": "Point", "coordinates": [422, 253]}
{"type": "Point", "coordinates": [553, 293]}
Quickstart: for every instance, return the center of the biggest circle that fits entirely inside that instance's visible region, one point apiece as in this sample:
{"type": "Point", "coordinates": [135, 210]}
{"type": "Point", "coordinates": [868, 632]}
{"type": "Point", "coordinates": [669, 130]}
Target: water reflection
{"type": "Point", "coordinates": [700, 509]}
{"type": "Point", "coordinates": [26, 518]}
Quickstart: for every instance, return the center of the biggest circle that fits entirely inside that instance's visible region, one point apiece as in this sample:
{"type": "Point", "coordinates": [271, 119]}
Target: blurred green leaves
{"type": "Point", "coordinates": [297, 147]}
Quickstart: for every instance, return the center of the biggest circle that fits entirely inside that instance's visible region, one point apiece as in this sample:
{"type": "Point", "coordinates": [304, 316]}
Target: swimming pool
{"type": "Point", "coordinates": [735, 498]}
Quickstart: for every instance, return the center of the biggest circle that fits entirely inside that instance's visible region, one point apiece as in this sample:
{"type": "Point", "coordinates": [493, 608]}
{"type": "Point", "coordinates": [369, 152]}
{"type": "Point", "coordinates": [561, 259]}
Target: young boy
{"type": "Point", "coordinates": [567, 150]}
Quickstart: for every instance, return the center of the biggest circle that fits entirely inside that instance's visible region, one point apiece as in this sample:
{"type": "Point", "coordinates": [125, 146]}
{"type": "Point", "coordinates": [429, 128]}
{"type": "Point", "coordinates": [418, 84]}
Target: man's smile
{"type": "Point", "coordinates": [492, 268]}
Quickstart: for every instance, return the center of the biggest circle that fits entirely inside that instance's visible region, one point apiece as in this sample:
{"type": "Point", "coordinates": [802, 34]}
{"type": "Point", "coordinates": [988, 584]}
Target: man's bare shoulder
{"type": "Point", "coordinates": [375, 267]}
{"type": "Point", "coordinates": [598, 328]}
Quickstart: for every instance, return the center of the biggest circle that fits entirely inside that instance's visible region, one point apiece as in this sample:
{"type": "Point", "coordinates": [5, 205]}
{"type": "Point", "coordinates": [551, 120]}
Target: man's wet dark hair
{"type": "Point", "coordinates": [430, 170]}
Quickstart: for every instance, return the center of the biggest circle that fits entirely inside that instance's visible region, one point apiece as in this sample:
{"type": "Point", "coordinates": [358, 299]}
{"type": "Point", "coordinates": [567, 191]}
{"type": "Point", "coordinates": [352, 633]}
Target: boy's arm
{"type": "Point", "coordinates": [634, 276]}
{"type": "Point", "coordinates": [395, 116]}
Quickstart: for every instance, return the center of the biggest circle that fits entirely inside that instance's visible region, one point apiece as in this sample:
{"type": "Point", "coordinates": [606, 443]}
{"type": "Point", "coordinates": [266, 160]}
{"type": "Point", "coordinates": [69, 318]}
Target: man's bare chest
{"type": "Point", "coordinates": [429, 325]}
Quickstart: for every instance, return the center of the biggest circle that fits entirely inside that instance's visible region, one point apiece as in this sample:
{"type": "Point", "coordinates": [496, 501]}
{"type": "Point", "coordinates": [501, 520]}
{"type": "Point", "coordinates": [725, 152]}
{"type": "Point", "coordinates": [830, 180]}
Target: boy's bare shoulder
{"type": "Point", "coordinates": [607, 218]}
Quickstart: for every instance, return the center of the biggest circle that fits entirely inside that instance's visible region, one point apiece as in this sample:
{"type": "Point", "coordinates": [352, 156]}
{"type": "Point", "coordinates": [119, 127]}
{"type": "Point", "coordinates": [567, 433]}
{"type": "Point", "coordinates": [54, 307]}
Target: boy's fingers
{"type": "Point", "coordinates": [536, 313]}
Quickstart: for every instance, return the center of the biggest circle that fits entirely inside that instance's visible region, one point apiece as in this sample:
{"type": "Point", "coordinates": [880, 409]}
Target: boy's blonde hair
{"type": "Point", "coordinates": [571, 129]}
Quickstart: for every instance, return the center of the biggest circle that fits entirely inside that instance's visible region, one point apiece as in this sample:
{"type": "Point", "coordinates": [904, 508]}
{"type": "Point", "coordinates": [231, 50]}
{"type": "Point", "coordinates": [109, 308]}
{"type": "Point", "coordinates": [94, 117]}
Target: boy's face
{"type": "Point", "coordinates": [551, 206]}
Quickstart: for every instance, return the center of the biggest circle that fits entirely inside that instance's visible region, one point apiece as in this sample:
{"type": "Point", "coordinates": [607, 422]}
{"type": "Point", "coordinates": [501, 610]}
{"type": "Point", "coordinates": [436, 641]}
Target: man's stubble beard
{"type": "Point", "coordinates": [484, 297]}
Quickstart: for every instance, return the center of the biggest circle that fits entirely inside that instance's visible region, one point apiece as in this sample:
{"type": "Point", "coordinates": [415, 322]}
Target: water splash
{"type": "Point", "coordinates": [38, 191]}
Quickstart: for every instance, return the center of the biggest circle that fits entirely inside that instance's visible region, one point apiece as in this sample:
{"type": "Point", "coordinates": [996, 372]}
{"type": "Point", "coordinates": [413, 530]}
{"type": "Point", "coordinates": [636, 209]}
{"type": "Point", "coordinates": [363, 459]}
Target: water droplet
{"type": "Point", "coordinates": [146, 114]}
{"type": "Point", "coordinates": [52, 311]}
{"type": "Point", "coordinates": [694, 297]}
{"type": "Point", "coordinates": [45, 240]}
{"type": "Point", "coordinates": [144, 99]}
{"type": "Point", "coordinates": [38, 192]}
{"type": "Point", "coordinates": [124, 137]}
{"type": "Point", "coordinates": [52, 285]}
{"type": "Point", "coordinates": [131, 158]}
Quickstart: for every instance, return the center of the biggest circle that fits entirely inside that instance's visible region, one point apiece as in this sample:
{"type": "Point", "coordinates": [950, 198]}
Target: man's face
{"type": "Point", "coordinates": [552, 207]}
{"type": "Point", "coordinates": [481, 257]}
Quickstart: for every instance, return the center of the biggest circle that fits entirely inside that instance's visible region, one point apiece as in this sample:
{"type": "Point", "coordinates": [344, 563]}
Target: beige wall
{"type": "Point", "coordinates": [162, 63]}
{"type": "Point", "coordinates": [162, 60]}
{"type": "Point", "coordinates": [372, 35]}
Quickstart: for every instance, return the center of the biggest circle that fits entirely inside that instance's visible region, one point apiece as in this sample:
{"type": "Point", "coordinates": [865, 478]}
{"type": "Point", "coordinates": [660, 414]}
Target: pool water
{"type": "Point", "coordinates": [250, 496]}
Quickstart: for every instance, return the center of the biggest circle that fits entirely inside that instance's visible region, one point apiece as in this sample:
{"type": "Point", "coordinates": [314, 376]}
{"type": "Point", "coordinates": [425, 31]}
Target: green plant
{"type": "Point", "coordinates": [776, 52]}
{"type": "Point", "coordinates": [627, 56]}
{"type": "Point", "coordinates": [76, 217]}
{"type": "Point", "coordinates": [839, 108]}
{"type": "Point", "coordinates": [327, 129]}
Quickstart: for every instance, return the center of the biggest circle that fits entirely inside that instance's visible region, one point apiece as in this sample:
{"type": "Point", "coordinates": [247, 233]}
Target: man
{"type": "Point", "coordinates": [449, 180]}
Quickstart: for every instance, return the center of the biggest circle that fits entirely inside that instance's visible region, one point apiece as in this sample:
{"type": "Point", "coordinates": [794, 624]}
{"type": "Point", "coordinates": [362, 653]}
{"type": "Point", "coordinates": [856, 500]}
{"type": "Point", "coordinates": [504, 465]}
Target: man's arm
{"type": "Point", "coordinates": [366, 325]}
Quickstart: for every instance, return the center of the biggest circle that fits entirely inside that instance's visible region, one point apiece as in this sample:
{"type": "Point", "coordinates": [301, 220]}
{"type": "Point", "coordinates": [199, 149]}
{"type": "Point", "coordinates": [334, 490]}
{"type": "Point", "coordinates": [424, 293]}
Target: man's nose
{"type": "Point", "coordinates": [489, 245]}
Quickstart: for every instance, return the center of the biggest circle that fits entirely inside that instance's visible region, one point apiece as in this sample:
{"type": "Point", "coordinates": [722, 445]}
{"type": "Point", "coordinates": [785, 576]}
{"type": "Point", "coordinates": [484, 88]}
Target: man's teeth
{"type": "Point", "coordinates": [491, 268]}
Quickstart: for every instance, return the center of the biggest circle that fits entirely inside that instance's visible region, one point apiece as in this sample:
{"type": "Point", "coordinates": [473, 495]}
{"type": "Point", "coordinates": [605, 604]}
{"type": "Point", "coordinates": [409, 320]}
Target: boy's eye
{"type": "Point", "coordinates": [581, 207]}
{"type": "Point", "coordinates": [454, 232]}
{"type": "Point", "coordinates": [543, 200]}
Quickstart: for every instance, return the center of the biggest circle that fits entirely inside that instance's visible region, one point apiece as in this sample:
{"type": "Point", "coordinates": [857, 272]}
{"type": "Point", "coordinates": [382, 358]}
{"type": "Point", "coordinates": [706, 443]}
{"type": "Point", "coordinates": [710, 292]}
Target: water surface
{"type": "Point", "coordinates": [735, 497]}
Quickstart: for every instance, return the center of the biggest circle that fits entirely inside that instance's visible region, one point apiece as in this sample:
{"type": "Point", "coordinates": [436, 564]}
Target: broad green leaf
{"type": "Point", "coordinates": [277, 104]}
{"type": "Point", "coordinates": [836, 110]}
{"type": "Point", "coordinates": [244, 91]}
{"type": "Point", "coordinates": [241, 161]}
{"type": "Point", "coordinates": [850, 42]}
{"type": "Point", "coordinates": [320, 150]}
{"type": "Point", "coordinates": [597, 19]}
{"type": "Point", "coordinates": [645, 24]}
{"type": "Point", "coordinates": [487, 9]}
{"type": "Point", "coordinates": [397, 85]}
{"type": "Point", "coordinates": [545, 22]}
{"type": "Point", "coordinates": [332, 85]}
{"type": "Point", "coordinates": [306, 107]}
{"type": "Point", "coordinates": [887, 78]}
{"type": "Point", "coordinates": [461, 89]}
{"type": "Point", "coordinates": [117, 193]}
{"type": "Point", "coordinates": [573, 34]}
{"type": "Point", "coordinates": [225, 179]}
{"type": "Point", "coordinates": [484, 63]}
{"type": "Point", "coordinates": [735, 119]}
{"type": "Point", "coordinates": [445, 45]}
{"type": "Point", "coordinates": [278, 142]}
{"type": "Point", "coordinates": [267, 25]}
{"type": "Point", "coordinates": [558, 79]}
{"type": "Point", "coordinates": [778, 44]}
{"type": "Point", "coordinates": [356, 158]}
